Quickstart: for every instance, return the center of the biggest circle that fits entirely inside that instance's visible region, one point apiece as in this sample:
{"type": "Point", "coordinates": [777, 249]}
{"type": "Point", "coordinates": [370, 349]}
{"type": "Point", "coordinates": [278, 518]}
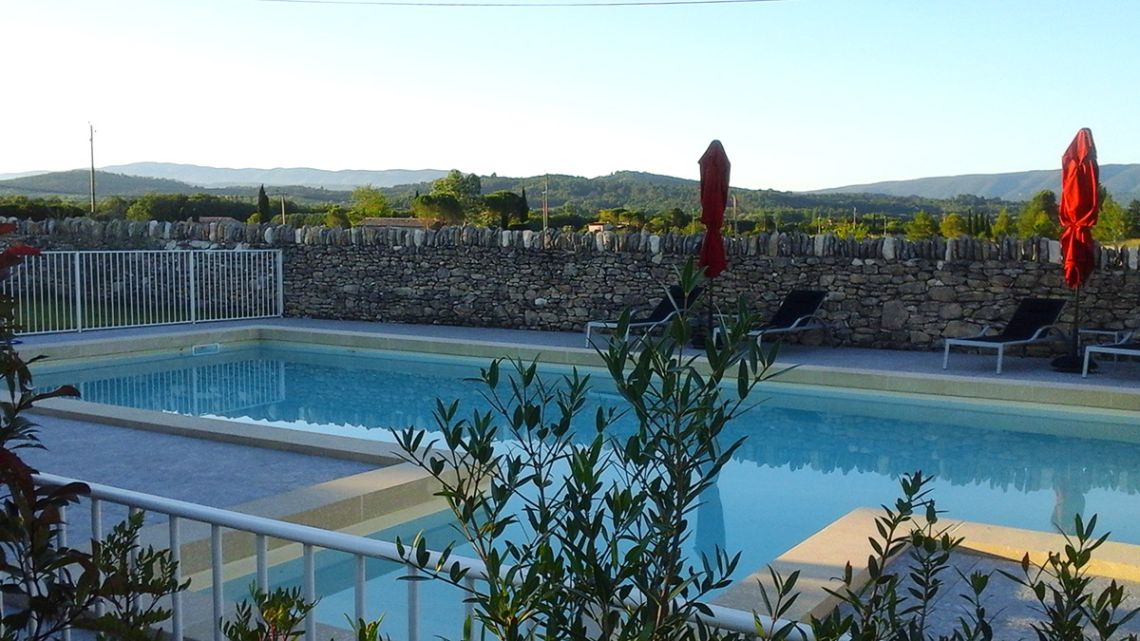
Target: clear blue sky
{"type": "Point", "coordinates": [803, 93]}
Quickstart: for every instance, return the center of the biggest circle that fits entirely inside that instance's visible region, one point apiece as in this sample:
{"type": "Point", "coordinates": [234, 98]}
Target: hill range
{"type": "Point", "coordinates": [136, 179]}
{"type": "Point", "coordinates": [1122, 181]}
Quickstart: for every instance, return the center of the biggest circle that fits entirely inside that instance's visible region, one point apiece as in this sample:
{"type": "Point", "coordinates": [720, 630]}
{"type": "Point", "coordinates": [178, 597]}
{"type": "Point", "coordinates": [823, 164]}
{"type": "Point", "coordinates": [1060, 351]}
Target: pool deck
{"type": "Point", "coordinates": [246, 477]}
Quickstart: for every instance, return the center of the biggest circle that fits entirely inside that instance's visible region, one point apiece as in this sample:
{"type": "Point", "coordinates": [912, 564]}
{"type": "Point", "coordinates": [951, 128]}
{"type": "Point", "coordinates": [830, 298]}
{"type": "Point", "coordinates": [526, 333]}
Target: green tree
{"type": "Point", "coordinates": [161, 207]}
{"type": "Point", "coordinates": [1039, 217]}
{"type": "Point", "coordinates": [367, 202]}
{"type": "Point", "coordinates": [1132, 216]}
{"type": "Point", "coordinates": [467, 190]}
{"type": "Point", "coordinates": [920, 227]}
{"type": "Point", "coordinates": [504, 206]}
{"type": "Point", "coordinates": [336, 216]}
{"type": "Point", "coordinates": [442, 208]}
{"type": "Point", "coordinates": [1112, 224]}
{"type": "Point", "coordinates": [952, 226]}
{"type": "Point", "coordinates": [851, 230]}
{"type": "Point", "coordinates": [112, 207]}
{"type": "Point", "coordinates": [263, 213]}
{"type": "Point", "coordinates": [1003, 224]}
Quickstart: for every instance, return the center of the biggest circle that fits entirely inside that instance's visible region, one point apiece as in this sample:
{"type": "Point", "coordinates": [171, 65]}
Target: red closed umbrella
{"type": "Point", "coordinates": [1080, 204]}
{"type": "Point", "coordinates": [714, 197]}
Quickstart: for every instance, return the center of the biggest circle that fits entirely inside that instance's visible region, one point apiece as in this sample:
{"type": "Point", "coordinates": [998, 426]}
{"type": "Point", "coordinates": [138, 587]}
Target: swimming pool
{"type": "Point", "coordinates": [811, 455]}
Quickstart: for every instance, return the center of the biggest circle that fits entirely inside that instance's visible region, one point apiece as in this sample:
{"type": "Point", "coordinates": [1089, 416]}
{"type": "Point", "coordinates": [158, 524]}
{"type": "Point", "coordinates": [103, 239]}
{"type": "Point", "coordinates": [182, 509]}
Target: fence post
{"type": "Point", "coordinates": [193, 288]}
{"type": "Point", "coordinates": [280, 283]}
{"type": "Point", "coordinates": [76, 273]}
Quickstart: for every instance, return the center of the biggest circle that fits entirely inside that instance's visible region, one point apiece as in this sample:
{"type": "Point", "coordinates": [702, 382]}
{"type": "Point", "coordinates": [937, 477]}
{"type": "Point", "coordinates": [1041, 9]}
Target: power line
{"type": "Point", "coordinates": [602, 3]}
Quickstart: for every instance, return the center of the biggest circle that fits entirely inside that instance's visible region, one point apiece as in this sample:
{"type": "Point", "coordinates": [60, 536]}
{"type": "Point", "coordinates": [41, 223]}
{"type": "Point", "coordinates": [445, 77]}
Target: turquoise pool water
{"type": "Point", "coordinates": [811, 455]}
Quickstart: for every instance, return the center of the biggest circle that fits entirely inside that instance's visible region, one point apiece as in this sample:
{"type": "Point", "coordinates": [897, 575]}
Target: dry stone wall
{"type": "Point", "coordinates": [882, 292]}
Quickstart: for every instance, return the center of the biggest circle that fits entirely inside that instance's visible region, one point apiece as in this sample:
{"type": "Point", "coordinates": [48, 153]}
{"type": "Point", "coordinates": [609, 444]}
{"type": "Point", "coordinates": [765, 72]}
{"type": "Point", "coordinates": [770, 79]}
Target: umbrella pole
{"type": "Point", "coordinates": [1076, 338]}
{"type": "Point", "coordinates": [709, 309]}
{"type": "Point", "coordinates": [1072, 362]}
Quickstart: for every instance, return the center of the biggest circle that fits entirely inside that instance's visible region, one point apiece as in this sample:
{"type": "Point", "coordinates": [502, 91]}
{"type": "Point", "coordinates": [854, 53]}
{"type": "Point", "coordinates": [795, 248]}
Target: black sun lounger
{"type": "Point", "coordinates": [1034, 321]}
{"type": "Point", "coordinates": [672, 304]}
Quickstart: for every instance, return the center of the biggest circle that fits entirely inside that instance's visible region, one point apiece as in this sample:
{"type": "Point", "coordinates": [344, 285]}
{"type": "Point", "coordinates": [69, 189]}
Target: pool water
{"type": "Point", "coordinates": [810, 455]}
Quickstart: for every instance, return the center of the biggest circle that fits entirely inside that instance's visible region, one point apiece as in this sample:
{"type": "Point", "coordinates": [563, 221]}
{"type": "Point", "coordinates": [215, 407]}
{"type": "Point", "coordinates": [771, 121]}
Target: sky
{"type": "Point", "coordinates": [804, 94]}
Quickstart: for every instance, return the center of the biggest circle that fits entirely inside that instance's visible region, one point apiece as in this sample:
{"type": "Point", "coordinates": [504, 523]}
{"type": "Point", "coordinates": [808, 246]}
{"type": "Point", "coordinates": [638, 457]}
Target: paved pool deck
{"type": "Point", "coordinates": [1123, 374]}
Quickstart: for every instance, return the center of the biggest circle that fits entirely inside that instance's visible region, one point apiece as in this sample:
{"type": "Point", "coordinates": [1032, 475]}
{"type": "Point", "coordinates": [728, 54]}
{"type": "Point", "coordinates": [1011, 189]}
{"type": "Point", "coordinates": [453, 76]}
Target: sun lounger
{"type": "Point", "coordinates": [672, 304]}
{"type": "Point", "coordinates": [1034, 321]}
{"type": "Point", "coordinates": [1128, 346]}
{"type": "Point", "coordinates": [798, 312]}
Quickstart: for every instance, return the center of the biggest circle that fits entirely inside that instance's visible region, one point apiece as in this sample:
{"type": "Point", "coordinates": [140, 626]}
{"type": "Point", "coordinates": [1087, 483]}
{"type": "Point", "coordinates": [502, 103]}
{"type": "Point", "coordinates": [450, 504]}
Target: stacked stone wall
{"type": "Point", "coordinates": [888, 292]}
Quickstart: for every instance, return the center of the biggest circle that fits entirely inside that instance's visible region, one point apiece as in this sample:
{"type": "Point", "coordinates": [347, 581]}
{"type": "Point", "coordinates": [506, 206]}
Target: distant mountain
{"type": "Point", "coordinates": [1122, 181]}
{"type": "Point", "coordinates": [320, 178]}
{"type": "Point", "coordinates": [21, 174]}
{"type": "Point", "coordinates": [77, 183]}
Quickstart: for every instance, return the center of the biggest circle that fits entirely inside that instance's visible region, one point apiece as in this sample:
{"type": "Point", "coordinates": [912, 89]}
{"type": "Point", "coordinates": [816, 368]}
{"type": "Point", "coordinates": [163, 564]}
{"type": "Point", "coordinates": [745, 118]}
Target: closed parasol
{"type": "Point", "coordinates": [1080, 204]}
{"type": "Point", "coordinates": [714, 197]}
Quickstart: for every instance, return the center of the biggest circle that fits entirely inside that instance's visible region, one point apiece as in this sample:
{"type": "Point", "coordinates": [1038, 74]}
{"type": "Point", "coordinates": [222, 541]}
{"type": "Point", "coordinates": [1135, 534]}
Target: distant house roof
{"type": "Point", "coordinates": [392, 222]}
{"type": "Point", "coordinates": [217, 219]}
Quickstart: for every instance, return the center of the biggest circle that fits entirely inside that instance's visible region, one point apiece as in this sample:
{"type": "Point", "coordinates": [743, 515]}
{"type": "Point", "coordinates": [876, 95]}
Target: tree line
{"type": "Point", "coordinates": [460, 198]}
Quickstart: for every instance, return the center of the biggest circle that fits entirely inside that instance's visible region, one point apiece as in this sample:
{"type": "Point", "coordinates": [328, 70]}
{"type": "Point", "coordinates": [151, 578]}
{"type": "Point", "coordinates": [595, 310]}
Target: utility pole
{"type": "Point", "coordinates": [282, 209]}
{"type": "Point", "coordinates": [545, 208]}
{"type": "Point", "coordinates": [91, 140]}
{"type": "Point", "coordinates": [735, 217]}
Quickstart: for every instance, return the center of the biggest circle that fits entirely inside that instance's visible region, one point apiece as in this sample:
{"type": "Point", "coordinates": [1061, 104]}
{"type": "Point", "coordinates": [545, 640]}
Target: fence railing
{"type": "Point", "coordinates": [310, 539]}
{"type": "Point", "coordinates": [73, 291]}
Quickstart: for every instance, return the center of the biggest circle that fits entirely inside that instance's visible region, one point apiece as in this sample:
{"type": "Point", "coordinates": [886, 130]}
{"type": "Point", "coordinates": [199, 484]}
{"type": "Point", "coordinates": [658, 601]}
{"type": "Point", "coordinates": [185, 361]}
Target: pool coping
{"type": "Point", "coordinates": [784, 371]}
{"type": "Point", "coordinates": [823, 557]}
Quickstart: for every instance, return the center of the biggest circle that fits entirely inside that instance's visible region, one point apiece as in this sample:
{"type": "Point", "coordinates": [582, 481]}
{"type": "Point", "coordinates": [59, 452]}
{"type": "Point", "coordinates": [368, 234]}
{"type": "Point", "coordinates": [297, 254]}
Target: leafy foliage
{"type": "Point", "coordinates": [269, 616]}
{"type": "Point", "coordinates": [505, 207]}
{"type": "Point", "coordinates": [279, 616]}
{"type": "Point", "coordinates": [1112, 224]}
{"type": "Point", "coordinates": [465, 189]}
{"type": "Point", "coordinates": [441, 208]}
{"type": "Point", "coordinates": [1065, 594]}
{"type": "Point", "coordinates": [952, 226]}
{"type": "Point", "coordinates": [368, 202]}
{"type": "Point", "coordinates": [1039, 217]}
{"type": "Point", "coordinates": [134, 581]}
{"type": "Point", "coordinates": [921, 227]}
{"type": "Point", "coordinates": [596, 551]}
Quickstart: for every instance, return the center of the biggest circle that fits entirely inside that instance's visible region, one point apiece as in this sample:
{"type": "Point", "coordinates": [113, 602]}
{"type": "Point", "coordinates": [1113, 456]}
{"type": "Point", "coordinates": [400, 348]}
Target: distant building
{"type": "Point", "coordinates": [218, 219]}
{"type": "Point", "coordinates": [413, 223]}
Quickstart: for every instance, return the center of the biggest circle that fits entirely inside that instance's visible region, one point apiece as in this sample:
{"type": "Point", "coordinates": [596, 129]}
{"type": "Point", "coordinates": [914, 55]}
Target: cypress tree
{"type": "Point", "coordinates": [262, 205]}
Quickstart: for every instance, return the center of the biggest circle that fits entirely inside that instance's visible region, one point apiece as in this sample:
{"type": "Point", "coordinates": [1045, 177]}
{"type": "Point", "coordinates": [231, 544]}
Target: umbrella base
{"type": "Point", "coordinates": [1071, 364]}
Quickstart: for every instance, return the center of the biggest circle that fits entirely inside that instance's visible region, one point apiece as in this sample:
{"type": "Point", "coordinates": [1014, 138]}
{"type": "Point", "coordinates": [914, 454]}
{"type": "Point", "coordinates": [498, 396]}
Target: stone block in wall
{"type": "Point", "coordinates": [894, 315]}
{"type": "Point", "coordinates": [1054, 249]}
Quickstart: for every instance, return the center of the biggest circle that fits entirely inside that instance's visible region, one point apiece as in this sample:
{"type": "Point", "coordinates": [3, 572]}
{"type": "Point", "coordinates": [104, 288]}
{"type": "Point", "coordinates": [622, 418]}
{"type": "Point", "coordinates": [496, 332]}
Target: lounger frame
{"type": "Point", "coordinates": [1044, 334]}
{"type": "Point", "coordinates": [1127, 346]}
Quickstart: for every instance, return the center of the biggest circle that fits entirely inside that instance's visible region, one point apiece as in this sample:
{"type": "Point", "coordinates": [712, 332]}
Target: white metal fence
{"type": "Point", "coordinates": [310, 539]}
{"type": "Point", "coordinates": [70, 291]}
